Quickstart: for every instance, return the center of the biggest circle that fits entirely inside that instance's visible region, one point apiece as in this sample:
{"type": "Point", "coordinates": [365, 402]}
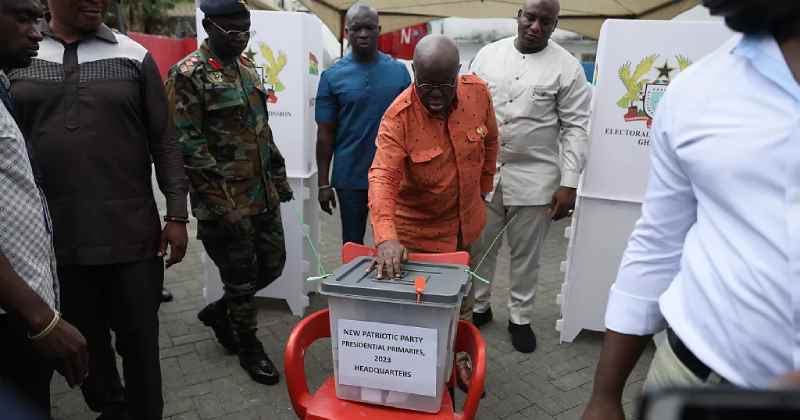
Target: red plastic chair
{"type": "Point", "coordinates": [323, 404]}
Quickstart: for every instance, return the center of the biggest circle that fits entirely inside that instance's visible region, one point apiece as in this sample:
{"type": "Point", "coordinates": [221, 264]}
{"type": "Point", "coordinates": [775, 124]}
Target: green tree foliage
{"type": "Point", "coordinates": [144, 15]}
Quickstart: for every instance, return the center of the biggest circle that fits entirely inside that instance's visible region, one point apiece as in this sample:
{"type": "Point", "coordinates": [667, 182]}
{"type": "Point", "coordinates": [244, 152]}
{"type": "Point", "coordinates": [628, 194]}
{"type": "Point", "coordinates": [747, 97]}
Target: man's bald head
{"type": "Point", "coordinates": [436, 65]}
{"type": "Point", "coordinates": [553, 6]}
{"type": "Point", "coordinates": [360, 9]}
{"type": "Point", "coordinates": [436, 54]}
{"type": "Point", "coordinates": [362, 29]}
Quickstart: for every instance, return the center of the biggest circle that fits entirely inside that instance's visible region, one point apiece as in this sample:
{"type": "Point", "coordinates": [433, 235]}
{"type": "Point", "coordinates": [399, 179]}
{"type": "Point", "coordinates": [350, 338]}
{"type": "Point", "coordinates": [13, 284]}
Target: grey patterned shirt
{"type": "Point", "coordinates": [25, 228]}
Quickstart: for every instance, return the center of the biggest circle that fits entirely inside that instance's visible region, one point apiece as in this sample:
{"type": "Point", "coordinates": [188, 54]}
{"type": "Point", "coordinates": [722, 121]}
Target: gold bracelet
{"type": "Point", "coordinates": [48, 329]}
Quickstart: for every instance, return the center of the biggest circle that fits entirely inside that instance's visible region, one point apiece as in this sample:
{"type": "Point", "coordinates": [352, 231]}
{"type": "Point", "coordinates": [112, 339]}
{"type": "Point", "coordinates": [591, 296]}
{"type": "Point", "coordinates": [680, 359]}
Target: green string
{"type": "Point", "coordinates": [318, 278]}
{"type": "Point", "coordinates": [323, 273]}
{"type": "Point", "coordinates": [499, 235]}
{"type": "Point", "coordinates": [474, 274]}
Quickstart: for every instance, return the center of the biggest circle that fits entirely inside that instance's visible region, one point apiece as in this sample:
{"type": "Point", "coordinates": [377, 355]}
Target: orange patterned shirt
{"type": "Point", "coordinates": [426, 181]}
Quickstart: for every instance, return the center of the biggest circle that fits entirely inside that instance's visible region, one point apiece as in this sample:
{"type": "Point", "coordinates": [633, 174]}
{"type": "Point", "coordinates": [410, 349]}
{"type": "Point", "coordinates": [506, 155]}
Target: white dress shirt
{"type": "Point", "coordinates": [716, 253]}
{"type": "Point", "coordinates": [537, 97]}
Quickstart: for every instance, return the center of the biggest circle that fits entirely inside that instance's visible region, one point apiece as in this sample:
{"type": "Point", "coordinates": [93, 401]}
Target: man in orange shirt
{"type": "Point", "coordinates": [437, 146]}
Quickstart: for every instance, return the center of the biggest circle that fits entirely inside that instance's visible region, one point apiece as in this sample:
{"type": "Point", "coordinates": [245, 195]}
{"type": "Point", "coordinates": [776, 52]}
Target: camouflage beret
{"type": "Point", "coordinates": [222, 7]}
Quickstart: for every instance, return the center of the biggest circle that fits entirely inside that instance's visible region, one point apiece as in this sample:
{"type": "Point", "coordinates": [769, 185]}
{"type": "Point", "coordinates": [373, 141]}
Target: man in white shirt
{"type": "Point", "coordinates": [715, 257]}
{"type": "Point", "coordinates": [541, 99]}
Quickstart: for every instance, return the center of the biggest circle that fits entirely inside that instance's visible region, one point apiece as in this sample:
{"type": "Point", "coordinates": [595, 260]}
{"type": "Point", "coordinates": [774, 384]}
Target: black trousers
{"type": "Point", "coordinates": [124, 298]}
{"type": "Point", "coordinates": [354, 209]}
{"type": "Point", "coordinates": [24, 374]}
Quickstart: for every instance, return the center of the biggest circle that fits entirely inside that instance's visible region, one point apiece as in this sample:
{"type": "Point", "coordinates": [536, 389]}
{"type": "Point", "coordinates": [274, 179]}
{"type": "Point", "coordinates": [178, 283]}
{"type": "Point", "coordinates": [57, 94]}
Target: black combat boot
{"type": "Point", "coordinates": [255, 361]}
{"type": "Point", "coordinates": [215, 316]}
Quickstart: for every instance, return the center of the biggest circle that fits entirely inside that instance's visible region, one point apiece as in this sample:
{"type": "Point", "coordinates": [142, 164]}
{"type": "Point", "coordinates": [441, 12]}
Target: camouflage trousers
{"type": "Point", "coordinates": [250, 255]}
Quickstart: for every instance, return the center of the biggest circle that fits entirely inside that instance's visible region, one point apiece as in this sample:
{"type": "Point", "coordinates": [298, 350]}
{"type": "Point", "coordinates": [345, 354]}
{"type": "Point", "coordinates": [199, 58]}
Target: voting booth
{"type": "Point", "coordinates": [287, 49]}
{"type": "Point", "coordinates": [636, 61]}
{"type": "Point", "coordinates": [392, 339]}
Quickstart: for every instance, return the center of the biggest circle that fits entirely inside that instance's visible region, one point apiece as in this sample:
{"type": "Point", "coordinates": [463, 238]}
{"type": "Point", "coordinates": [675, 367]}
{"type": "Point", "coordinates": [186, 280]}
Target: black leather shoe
{"type": "Point", "coordinates": [482, 318]}
{"type": "Point", "coordinates": [166, 295]}
{"type": "Point", "coordinates": [256, 363]}
{"type": "Point", "coordinates": [117, 413]}
{"type": "Point", "coordinates": [522, 337]}
{"type": "Point", "coordinates": [215, 315]}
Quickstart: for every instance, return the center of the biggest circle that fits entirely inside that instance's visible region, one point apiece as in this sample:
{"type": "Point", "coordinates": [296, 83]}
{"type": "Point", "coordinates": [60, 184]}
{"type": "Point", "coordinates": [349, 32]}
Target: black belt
{"type": "Point", "coordinates": [695, 365]}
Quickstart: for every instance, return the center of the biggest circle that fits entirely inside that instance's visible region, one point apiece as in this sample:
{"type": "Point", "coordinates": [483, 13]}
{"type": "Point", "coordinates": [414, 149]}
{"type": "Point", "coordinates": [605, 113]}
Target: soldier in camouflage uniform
{"type": "Point", "coordinates": [237, 173]}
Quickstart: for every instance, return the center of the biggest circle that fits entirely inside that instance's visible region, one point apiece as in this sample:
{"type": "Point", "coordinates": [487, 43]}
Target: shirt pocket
{"type": "Point", "coordinates": [421, 157]}
{"type": "Point", "coordinates": [542, 102]}
{"type": "Point", "coordinates": [238, 169]}
{"type": "Point", "coordinates": [221, 97]}
{"type": "Point", "coordinates": [423, 169]}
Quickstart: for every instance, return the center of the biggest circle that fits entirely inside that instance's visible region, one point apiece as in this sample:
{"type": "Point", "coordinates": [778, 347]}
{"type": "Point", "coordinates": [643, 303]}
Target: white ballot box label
{"type": "Point", "coordinates": [389, 357]}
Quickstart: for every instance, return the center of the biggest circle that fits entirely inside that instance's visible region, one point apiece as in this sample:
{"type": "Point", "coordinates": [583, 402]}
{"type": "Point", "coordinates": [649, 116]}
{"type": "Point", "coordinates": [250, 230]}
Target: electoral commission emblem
{"type": "Point", "coordinates": [653, 93]}
{"type": "Point", "coordinates": [270, 70]}
{"type": "Point", "coordinates": [642, 93]}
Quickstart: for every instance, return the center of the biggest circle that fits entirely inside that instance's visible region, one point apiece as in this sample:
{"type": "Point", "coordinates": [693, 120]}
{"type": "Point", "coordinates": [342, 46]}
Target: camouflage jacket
{"type": "Point", "coordinates": [220, 115]}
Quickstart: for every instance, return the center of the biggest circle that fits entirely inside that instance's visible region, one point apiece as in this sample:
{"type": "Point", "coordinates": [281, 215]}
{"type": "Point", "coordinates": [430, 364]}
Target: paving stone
{"type": "Point", "coordinates": [511, 405]}
{"type": "Point", "coordinates": [573, 380]}
{"type": "Point", "coordinates": [178, 407]}
{"type": "Point", "coordinates": [534, 412]}
{"type": "Point", "coordinates": [191, 338]}
{"type": "Point", "coordinates": [176, 351]}
{"type": "Point", "coordinates": [201, 381]}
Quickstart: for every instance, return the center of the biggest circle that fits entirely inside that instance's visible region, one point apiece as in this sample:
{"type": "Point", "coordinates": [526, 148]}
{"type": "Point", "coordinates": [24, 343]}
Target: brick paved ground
{"type": "Point", "coordinates": [202, 382]}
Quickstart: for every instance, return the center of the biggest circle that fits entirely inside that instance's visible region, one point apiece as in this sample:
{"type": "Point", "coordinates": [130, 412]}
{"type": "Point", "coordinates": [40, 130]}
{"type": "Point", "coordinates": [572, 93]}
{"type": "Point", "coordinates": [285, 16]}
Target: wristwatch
{"type": "Point", "coordinates": [174, 219]}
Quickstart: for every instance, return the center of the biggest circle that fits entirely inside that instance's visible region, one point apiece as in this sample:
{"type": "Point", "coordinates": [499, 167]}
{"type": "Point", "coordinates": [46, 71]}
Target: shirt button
{"type": "Point", "coordinates": [517, 77]}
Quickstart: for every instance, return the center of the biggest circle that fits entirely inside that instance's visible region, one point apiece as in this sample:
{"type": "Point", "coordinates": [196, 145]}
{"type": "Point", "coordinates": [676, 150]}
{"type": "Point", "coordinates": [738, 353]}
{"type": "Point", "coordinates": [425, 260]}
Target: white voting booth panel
{"type": "Point", "coordinates": [636, 61]}
{"type": "Point", "coordinates": [600, 234]}
{"type": "Point", "coordinates": [287, 50]}
{"type": "Point", "coordinates": [301, 261]}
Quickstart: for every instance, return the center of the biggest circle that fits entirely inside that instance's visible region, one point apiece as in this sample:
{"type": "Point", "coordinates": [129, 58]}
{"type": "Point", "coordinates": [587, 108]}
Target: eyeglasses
{"type": "Point", "coordinates": [440, 86]}
{"type": "Point", "coordinates": [233, 34]}
{"type": "Point", "coordinates": [435, 86]}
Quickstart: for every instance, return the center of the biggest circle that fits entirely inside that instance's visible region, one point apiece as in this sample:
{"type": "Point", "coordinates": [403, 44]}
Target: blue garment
{"type": "Point", "coordinates": [354, 96]}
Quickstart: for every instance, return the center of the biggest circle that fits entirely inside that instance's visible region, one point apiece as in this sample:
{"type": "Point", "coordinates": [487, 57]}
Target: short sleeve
{"type": "Point", "coordinates": [327, 107]}
{"type": "Point", "coordinates": [405, 74]}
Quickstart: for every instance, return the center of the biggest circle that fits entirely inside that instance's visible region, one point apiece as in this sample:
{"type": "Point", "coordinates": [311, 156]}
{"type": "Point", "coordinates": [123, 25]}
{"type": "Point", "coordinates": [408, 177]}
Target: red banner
{"type": "Point", "coordinates": [401, 44]}
{"type": "Point", "coordinates": [165, 51]}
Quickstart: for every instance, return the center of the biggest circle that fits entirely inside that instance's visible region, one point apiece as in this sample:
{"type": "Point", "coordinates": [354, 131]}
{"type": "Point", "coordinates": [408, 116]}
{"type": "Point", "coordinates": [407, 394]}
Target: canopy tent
{"type": "Point", "coordinates": [263, 5]}
{"type": "Point", "coordinates": [581, 16]}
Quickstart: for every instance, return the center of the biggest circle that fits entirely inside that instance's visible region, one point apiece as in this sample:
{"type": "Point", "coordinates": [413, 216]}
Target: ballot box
{"type": "Point", "coordinates": [392, 339]}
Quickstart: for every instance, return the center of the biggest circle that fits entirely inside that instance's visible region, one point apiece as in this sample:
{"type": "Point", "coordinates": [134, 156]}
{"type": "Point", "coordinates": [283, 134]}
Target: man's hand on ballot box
{"type": "Point", "coordinates": [389, 259]}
